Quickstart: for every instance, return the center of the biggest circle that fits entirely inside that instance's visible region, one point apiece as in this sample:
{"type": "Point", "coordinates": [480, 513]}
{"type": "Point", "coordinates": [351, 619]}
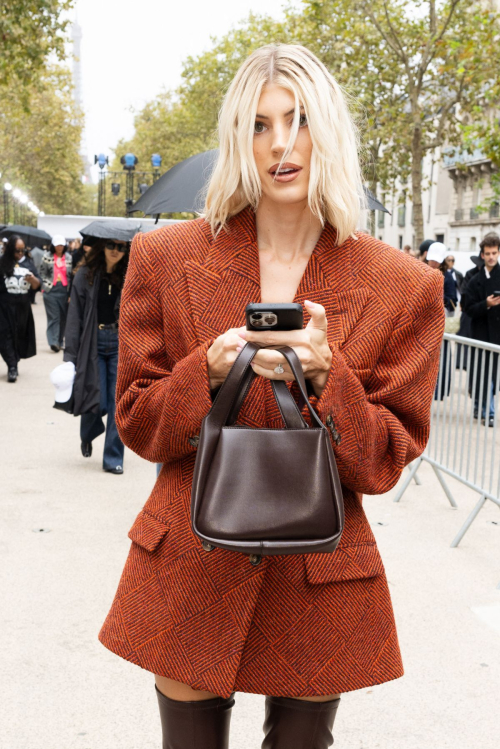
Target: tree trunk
{"type": "Point", "coordinates": [416, 184]}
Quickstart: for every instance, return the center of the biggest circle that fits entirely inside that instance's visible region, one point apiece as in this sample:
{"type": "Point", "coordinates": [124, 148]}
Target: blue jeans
{"type": "Point", "coordinates": [92, 425]}
{"type": "Point", "coordinates": [56, 307]}
{"type": "Point", "coordinates": [492, 403]}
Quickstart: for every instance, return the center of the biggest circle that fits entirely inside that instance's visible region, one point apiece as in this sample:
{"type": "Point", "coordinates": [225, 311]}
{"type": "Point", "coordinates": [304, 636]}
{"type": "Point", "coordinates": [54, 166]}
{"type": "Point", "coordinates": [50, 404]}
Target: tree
{"type": "Point", "coordinates": [445, 56]}
{"type": "Point", "coordinates": [40, 148]}
{"type": "Point", "coordinates": [31, 31]}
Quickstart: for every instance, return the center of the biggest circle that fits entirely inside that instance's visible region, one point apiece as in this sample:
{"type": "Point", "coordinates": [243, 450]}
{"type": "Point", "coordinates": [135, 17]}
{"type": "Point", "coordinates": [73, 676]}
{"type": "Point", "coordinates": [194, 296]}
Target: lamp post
{"type": "Point", "coordinates": [103, 161]}
{"type": "Point", "coordinates": [156, 160]}
{"type": "Point", "coordinates": [16, 194]}
{"type": "Point", "coordinates": [6, 192]}
{"type": "Point", "coordinates": [129, 161]}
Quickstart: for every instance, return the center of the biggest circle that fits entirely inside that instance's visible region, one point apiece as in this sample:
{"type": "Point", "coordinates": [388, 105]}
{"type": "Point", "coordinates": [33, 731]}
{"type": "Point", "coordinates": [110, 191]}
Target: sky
{"type": "Point", "coordinates": [131, 49]}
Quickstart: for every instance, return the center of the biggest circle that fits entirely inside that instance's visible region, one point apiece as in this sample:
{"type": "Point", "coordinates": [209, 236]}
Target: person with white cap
{"type": "Point", "coordinates": [55, 272]}
{"type": "Point", "coordinates": [436, 256]}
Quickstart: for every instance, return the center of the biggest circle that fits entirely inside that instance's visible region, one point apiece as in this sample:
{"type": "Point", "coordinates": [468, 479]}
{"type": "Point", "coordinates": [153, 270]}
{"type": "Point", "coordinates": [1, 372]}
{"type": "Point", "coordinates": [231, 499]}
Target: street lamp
{"type": "Point", "coordinates": [103, 161]}
{"type": "Point", "coordinates": [129, 161]}
{"type": "Point", "coordinates": [156, 160]}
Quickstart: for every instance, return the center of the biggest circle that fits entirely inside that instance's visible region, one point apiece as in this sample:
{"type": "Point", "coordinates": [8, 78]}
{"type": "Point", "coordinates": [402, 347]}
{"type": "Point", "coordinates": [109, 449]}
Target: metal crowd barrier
{"type": "Point", "coordinates": [460, 445]}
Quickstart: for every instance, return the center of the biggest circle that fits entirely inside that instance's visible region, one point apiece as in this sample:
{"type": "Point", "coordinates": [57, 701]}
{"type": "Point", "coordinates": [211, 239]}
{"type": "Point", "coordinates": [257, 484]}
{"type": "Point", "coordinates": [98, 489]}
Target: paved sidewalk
{"type": "Point", "coordinates": [62, 690]}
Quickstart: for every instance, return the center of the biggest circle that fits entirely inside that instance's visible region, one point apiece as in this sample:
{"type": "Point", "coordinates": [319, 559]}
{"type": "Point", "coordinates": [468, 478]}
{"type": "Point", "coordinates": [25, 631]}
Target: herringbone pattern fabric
{"type": "Point", "coordinates": [294, 625]}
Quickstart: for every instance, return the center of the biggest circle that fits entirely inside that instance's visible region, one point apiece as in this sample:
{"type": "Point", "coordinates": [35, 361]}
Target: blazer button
{"type": "Point", "coordinates": [255, 559]}
{"type": "Point", "coordinates": [207, 546]}
{"type": "Point", "coordinates": [194, 441]}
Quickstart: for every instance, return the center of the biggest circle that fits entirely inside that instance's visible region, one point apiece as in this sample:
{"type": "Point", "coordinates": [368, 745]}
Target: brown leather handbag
{"type": "Point", "coordinates": [265, 491]}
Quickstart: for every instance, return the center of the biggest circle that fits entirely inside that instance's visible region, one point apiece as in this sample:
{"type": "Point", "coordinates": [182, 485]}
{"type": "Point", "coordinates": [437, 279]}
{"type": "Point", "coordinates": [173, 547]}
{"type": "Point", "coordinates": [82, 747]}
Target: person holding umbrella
{"type": "Point", "coordinates": [55, 272]}
{"type": "Point", "coordinates": [17, 327]}
{"type": "Point", "coordinates": [92, 342]}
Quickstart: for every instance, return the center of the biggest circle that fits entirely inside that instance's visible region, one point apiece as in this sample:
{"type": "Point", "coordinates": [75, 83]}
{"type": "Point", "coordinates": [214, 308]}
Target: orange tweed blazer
{"type": "Point", "coordinates": [293, 625]}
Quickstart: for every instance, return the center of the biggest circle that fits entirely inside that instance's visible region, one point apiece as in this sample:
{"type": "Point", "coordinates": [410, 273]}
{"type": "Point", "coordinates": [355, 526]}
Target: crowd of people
{"type": "Point", "coordinates": [81, 287]}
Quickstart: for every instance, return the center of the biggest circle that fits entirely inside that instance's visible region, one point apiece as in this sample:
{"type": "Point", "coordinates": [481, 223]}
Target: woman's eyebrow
{"type": "Point", "coordinates": [287, 114]}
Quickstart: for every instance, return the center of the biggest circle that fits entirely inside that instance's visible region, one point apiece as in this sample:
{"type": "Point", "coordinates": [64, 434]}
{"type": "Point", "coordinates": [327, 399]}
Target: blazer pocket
{"type": "Point", "coordinates": [345, 563]}
{"type": "Point", "coordinates": [147, 531]}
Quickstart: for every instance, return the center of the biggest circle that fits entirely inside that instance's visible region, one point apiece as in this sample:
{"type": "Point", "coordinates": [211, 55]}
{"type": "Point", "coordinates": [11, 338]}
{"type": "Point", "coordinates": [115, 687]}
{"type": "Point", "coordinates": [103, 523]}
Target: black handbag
{"type": "Point", "coordinates": [265, 491]}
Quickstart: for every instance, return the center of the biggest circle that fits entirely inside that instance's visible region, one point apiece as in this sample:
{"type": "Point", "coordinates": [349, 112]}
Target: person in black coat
{"type": "Point", "coordinates": [481, 302]}
{"type": "Point", "coordinates": [92, 346]}
{"type": "Point", "coordinates": [18, 276]}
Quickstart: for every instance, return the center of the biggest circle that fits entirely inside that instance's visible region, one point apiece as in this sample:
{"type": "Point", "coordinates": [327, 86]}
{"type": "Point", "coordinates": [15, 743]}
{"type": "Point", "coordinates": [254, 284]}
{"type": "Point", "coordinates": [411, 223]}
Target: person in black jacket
{"type": "Point", "coordinates": [18, 276]}
{"type": "Point", "coordinates": [92, 346]}
{"type": "Point", "coordinates": [481, 302]}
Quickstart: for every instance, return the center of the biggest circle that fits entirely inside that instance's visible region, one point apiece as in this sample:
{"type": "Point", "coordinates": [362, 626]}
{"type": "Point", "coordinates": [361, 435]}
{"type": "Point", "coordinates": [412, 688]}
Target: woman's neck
{"type": "Point", "coordinates": [110, 268]}
{"type": "Point", "coordinates": [287, 231]}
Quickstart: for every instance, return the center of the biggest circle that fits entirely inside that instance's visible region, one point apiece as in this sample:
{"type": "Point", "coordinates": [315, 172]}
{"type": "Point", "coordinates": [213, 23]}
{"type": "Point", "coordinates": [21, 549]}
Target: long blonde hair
{"type": "Point", "coordinates": [335, 186]}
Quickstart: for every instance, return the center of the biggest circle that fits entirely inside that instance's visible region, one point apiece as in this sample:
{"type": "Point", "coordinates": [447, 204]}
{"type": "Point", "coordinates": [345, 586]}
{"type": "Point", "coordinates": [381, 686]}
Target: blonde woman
{"type": "Point", "coordinates": [280, 225]}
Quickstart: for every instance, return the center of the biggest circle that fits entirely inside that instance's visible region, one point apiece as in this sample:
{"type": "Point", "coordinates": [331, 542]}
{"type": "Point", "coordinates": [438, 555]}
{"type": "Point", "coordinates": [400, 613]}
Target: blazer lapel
{"type": "Point", "coordinates": [330, 280]}
{"type": "Point", "coordinates": [228, 279]}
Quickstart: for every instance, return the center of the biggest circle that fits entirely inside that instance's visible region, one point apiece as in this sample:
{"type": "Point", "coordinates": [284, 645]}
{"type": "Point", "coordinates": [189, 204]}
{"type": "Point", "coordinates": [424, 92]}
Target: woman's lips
{"type": "Point", "coordinates": [288, 173]}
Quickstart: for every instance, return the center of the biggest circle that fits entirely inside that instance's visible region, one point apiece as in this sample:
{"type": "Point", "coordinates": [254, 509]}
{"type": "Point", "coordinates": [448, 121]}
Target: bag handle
{"type": "Point", "coordinates": [234, 389]}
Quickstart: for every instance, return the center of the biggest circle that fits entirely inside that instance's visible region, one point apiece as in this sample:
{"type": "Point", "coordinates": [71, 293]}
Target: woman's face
{"type": "Point", "coordinates": [19, 252]}
{"type": "Point", "coordinates": [113, 252]}
{"type": "Point", "coordinates": [272, 130]}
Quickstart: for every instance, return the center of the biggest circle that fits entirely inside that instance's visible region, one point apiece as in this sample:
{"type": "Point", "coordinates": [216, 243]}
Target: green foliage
{"type": "Point", "coordinates": [40, 148]}
{"type": "Point", "coordinates": [30, 32]}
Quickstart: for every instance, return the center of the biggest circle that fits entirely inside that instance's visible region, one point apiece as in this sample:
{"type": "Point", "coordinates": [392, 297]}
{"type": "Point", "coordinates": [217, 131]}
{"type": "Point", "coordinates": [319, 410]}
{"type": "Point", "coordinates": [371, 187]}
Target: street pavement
{"type": "Point", "coordinates": [63, 543]}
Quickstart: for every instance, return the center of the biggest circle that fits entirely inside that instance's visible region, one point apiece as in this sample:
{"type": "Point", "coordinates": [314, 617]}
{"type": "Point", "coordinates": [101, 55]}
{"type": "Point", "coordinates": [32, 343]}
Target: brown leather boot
{"type": "Point", "coordinates": [298, 724]}
{"type": "Point", "coordinates": [195, 725]}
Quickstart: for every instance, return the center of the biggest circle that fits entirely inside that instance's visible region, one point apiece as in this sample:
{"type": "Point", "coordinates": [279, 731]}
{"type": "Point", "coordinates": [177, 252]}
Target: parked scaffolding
{"type": "Point", "coordinates": [465, 435]}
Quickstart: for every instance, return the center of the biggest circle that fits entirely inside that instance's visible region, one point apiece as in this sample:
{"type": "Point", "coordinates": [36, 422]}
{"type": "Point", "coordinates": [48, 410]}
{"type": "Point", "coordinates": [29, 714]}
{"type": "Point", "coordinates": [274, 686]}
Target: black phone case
{"type": "Point", "coordinates": [290, 316]}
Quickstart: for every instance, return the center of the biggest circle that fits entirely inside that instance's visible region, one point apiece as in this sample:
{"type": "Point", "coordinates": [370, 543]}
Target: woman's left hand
{"type": "Point", "coordinates": [310, 344]}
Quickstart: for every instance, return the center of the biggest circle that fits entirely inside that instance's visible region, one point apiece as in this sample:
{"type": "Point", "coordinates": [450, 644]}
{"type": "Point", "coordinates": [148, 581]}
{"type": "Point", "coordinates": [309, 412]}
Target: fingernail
{"type": "Point", "coordinates": [238, 349]}
{"type": "Point", "coordinates": [306, 301]}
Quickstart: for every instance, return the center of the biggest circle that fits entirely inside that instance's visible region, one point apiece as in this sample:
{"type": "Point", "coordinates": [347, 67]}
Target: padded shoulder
{"type": "Point", "coordinates": [393, 276]}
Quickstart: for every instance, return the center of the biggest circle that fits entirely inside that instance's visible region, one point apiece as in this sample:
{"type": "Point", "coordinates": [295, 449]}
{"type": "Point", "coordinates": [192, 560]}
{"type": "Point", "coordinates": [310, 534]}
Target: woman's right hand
{"type": "Point", "coordinates": [222, 354]}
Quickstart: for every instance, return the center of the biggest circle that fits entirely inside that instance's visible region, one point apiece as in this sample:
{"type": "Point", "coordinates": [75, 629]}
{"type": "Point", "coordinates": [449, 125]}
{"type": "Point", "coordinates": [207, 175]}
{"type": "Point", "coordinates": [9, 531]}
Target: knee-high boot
{"type": "Point", "coordinates": [298, 724]}
{"type": "Point", "coordinates": [195, 725]}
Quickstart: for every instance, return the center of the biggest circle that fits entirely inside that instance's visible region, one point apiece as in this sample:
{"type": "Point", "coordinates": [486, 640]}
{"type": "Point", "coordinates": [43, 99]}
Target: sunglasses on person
{"type": "Point", "coordinates": [110, 245]}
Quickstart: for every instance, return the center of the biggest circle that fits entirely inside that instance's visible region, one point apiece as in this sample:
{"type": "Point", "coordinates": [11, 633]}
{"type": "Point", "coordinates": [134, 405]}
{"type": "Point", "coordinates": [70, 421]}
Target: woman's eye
{"type": "Point", "coordinates": [259, 127]}
{"type": "Point", "coordinates": [302, 120]}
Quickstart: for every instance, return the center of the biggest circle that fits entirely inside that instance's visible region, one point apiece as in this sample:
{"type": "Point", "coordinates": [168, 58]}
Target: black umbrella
{"type": "Point", "coordinates": [119, 229]}
{"type": "Point", "coordinates": [31, 237]}
{"type": "Point", "coordinates": [181, 188]}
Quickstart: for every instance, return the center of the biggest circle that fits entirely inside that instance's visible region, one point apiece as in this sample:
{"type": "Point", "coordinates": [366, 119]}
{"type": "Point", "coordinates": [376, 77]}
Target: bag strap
{"type": "Point", "coordinates": [234, 389]}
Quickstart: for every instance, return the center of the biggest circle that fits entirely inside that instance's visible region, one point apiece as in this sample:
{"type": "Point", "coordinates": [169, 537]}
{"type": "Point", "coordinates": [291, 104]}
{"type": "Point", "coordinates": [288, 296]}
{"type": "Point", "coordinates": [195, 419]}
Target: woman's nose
{"type": "Point", "coordinates": [280, 139]}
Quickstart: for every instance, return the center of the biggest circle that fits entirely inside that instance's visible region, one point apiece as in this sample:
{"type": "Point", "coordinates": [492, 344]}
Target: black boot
{"type": "Point", "coordinates": [195, 725]}
{"type": "Point", "coordinates": [298, 724]}
{"type": "Point", "coordinates": [12, 374]}
{"type": "Point", "coordinates": [86, 448]}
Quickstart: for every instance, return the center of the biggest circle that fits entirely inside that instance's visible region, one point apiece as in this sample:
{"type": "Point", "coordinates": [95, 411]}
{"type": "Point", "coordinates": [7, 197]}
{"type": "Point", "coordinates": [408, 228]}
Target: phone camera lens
{"type": "Point", "coordinates": [256, 316]}
{"type": "Point", "coordinates": [270, 320]}
{"type": "Point", "coordinates": [257, 323]}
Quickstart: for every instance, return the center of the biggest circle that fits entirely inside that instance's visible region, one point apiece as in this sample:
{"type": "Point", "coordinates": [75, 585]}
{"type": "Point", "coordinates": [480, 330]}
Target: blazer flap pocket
{"type": "Point", "coordinates": [345, 563]}
{"type": "Point", "coordinates": [147, 531]}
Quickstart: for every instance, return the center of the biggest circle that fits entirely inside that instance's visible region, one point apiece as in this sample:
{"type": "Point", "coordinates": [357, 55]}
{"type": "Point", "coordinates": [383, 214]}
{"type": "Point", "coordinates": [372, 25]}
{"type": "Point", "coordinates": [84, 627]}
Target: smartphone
{"type": "Point", "coordinates": [274, 316]}
{"type": "Point", "coordinates": [496, 293]}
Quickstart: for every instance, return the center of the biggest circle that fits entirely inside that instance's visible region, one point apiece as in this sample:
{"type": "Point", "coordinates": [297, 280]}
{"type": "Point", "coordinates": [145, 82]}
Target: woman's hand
{"type": "Point", "coordinates": [222, 354]}
{"type": "Point", "coordinates": [32, 280]}
{"type": "Point", "coordinates": [310, 344]}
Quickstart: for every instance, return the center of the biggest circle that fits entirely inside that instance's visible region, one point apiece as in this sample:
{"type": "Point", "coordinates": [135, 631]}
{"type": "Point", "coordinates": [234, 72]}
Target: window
{"type": "Point", "coordinates": [400, 241]}
{"type": "Point", "coordinates": [402, 215]}
{"type": "Point", "coordinates": [440, 238]}
{"type": "Point", "coordinates": [380, 239]}
{"type": "Point", "coordinates": [381, 219]}
{"type": "Point", "coordinates": [457, 244]}
{"type": "Point", "coordinates": [472, 244]}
